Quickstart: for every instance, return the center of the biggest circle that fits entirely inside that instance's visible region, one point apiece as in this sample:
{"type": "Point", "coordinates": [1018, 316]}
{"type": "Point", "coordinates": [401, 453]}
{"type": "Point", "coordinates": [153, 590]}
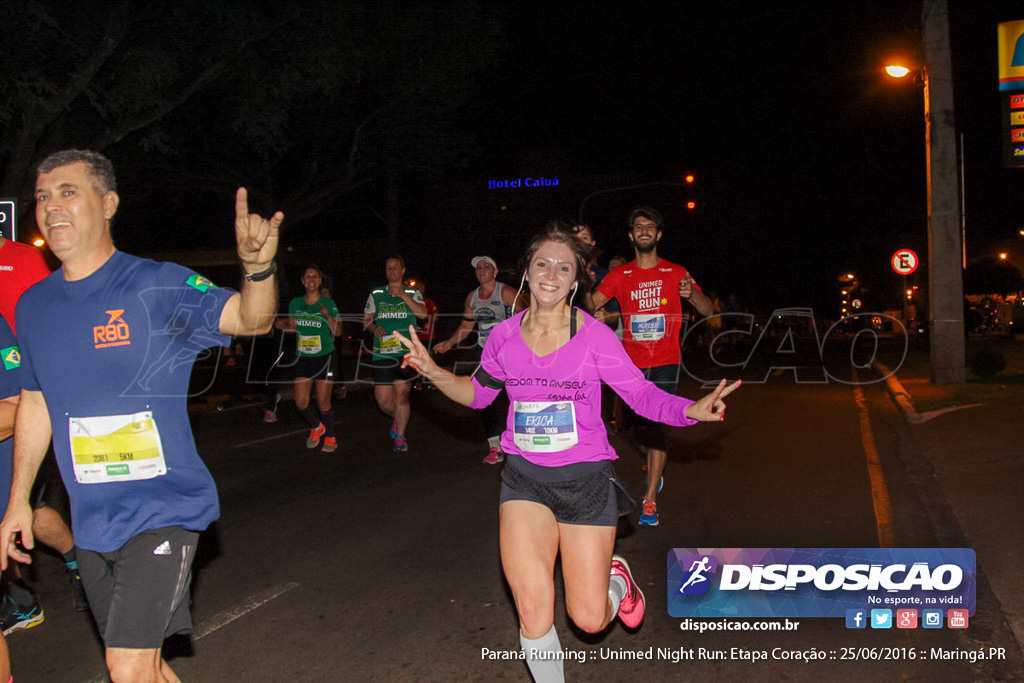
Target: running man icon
{"type": "Point", "coordinates": [697, 570]}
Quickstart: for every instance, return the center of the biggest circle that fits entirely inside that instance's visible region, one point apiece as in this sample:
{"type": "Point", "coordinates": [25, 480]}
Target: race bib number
{"type": "Point", "coordinates": [545, 427]}
{"type": "Point", "coordinates": [116, 448]}
{"type": "Point", "coordinates": [309, 345]}
{"type": "Point", "coordinates": [650, 327]}
{"type": "Point", "coordinates": [390, 345]}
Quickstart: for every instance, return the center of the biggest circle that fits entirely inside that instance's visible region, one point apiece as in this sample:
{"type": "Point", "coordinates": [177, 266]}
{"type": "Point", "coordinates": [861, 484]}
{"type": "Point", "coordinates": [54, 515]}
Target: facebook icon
{"type": "Point", "coordinates": [856, 618]}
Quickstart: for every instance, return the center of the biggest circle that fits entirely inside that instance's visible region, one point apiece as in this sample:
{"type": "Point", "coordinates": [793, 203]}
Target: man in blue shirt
{"type": "Point", "coordinates": [107, 342]}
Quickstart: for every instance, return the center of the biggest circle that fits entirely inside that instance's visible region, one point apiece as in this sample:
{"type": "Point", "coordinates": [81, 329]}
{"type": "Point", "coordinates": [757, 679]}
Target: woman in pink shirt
{"type": "Point", "coordinates": [559, 491]}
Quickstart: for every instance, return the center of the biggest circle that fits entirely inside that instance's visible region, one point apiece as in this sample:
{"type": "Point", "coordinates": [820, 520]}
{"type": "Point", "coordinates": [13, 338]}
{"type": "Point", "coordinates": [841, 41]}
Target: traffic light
{"type": "Point", "coordinates": [690, 178]}
{"type": "Point", "coordinates": [691, 205]}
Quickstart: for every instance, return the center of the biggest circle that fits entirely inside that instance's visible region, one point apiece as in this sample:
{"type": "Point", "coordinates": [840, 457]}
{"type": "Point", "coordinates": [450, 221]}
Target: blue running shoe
{"type": "Point", "coordinates": [14, 618]}
{"type": "Point", "coordinates": [649, 516]}
{"type": "Point", "coordinates": [400, 444]}
{"type": "Point", "coordinates": [394, 430]}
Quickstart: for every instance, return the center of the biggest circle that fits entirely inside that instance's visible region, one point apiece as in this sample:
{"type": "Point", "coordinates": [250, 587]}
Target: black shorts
{"type": "Point", "coordinates": [139, 594]}
{"type": "Point", "coordinates": [587, 493]}
{"type": "Point", "coordinates": [316, 367]}
{"type": "Point", "coordinates": [387, 372]}
{"type": "Point", "coordinates": [650, 434]}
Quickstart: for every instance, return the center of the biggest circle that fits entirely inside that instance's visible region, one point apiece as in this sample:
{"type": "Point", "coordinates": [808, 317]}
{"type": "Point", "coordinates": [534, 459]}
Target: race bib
{"type": "Point", "coordinates": [309, 345]}
{"type": "Point", "coordinates": [116, 448]}
{"type": "Point", "coordinates": [545, 426]}
{"type": "Point", "coordinates": [649, 327]}
{"type": "Point", "coordinates": [390, 345]}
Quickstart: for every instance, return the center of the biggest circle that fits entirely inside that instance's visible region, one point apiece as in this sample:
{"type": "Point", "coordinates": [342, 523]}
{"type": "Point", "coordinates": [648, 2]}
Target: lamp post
{"type": "Point", "coordinates": [945, 240]}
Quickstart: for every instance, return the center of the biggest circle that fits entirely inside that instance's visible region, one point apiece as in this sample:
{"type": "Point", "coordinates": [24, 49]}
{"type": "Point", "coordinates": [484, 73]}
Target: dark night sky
{"type": "Point", "coordinates": [809, 162]}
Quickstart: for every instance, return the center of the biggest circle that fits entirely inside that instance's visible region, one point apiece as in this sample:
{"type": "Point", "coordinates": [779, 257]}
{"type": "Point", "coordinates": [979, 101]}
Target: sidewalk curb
{"type": "Point", "coordinates": [900, 396]}
{"type": "Point", "coordinates": [903, 400]}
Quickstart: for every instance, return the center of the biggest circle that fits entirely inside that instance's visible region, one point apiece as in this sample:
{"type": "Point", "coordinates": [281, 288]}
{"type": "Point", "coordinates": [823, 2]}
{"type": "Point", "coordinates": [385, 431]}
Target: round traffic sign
{"type": "Point", "coordinates": [904, 261]}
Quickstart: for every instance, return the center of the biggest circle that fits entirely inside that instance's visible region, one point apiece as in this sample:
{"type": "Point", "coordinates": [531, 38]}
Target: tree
{"type": "Point", "coordinates": [303, 102]}
{"type": "Point", "coordinates": [992, 276]}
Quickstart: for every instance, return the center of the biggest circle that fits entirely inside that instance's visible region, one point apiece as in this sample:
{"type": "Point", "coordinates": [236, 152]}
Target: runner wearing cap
{"type": "Point", "coordinates": [486, 306]}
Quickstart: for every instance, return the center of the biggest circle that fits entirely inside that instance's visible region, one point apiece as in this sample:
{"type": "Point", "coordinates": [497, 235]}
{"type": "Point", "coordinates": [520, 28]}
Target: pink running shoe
{"type": "Point", "coordinates": [494, 457]}
{"type": "Point", "coordinates": [632, 607]}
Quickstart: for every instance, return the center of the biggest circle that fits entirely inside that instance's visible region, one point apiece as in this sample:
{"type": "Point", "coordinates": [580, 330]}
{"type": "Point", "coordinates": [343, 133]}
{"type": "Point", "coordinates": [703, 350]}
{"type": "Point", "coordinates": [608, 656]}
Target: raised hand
{"type": "Point", "coordinates": [256, 236]}
{"type": "Point", "coordinates": [711, 408]}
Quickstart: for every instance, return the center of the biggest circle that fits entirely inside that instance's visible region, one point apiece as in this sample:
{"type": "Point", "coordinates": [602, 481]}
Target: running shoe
{"type": "Point", "coordinates": [494, 457]}
{"type": "Point", "coordinates": [330, 444]}
{"type": "Point", "coordinates": [649, 516]}
{"type": "Point", "coordinates": [78, 598]}
{"type": "Point", "coordinates": [632, 607]}
{"type": "Point", "coordinates": [314, 436]}
{"type": "Point", "coordinates": [14, 618]}
{"type": "Point", "coordinates": [400, 444]}
{"type": "Point", "coordinates": [394, 430]}
{"type": "Point", "coordinates": [269, 416]}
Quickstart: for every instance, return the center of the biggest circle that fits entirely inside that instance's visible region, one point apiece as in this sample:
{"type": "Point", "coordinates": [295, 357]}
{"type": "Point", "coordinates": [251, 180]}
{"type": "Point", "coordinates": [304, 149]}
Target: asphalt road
{"type": "Point", "coordinates": [371, 565]}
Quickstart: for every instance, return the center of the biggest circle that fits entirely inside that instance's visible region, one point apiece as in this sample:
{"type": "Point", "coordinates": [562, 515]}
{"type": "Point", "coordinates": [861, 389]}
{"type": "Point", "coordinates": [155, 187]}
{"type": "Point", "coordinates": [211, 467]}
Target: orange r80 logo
{"type": "Point", "coordinates": [114, 333]}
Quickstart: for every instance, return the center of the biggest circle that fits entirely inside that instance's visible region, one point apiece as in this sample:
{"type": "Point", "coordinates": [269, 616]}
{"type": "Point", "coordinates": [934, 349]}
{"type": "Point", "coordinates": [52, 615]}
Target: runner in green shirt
{"type": "Point", "coordinates": [391, 308]}
{"type": "Point", "coordinates": [315, 321]}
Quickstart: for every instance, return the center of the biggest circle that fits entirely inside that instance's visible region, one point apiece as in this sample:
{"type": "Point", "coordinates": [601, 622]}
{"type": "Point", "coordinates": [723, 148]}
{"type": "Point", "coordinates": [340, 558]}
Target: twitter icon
{"type": "Point", "coordinates": [881, 618]}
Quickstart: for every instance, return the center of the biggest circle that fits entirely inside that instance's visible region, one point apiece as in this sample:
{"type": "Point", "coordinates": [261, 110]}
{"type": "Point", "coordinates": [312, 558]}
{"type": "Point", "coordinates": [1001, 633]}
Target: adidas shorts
{"type": "Point", "coordinates": [139, 594]}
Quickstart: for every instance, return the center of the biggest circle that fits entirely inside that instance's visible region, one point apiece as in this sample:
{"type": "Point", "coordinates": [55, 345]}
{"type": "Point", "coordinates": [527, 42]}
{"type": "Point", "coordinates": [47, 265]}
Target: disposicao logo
{"type": "Point", "coordinates": [695, 581]}
{"type": "Point", "coordinates": [817, 582]}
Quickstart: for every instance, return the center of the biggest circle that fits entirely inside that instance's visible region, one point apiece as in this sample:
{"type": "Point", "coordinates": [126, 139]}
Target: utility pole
{"type": "Point", "coordinates": [945, 243]}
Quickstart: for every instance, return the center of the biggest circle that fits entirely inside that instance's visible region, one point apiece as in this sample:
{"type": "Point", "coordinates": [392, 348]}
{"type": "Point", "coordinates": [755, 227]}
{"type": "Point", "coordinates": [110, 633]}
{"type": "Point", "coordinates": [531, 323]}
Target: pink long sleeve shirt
{"type": "Point", "coordinates": [554, 415]}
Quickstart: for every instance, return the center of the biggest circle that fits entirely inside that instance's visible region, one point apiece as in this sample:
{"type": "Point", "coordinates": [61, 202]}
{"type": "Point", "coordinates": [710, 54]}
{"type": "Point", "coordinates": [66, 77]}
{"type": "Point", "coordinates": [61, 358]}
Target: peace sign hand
{"type": "Point", "coordinates": [711, 408]}
{"type": "Point", "coordinates": [418, 357]}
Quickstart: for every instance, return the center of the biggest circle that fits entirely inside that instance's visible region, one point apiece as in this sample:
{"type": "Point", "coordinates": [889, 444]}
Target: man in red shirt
{"type": "Point", "coordinates": [651, 292]}
{"type": "Point", "coordinates": [21, 266]}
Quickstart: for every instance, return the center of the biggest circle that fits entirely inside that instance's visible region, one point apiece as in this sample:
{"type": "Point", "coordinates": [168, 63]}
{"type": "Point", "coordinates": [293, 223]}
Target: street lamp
{"type": "Point", "coordinates": [945, 238]}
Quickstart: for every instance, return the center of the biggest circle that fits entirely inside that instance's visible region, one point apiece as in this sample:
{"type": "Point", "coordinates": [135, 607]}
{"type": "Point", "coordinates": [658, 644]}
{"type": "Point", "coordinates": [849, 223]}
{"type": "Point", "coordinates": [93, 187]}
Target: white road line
{"type": "Point", "coordinates": [283, 435]}
{"type": "Point", "coordinates": [227, 616]}
{"type": "Point", "coordinates": [240, 610]}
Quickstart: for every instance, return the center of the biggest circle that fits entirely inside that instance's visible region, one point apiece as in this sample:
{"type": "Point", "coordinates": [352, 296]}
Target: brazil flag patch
{"type": "Point", "coordinates": [12, 357]}
{"type": "Point", "coordinates": [200, 283]}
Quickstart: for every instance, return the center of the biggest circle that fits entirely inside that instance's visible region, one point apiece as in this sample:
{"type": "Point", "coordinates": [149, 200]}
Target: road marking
{"type": "Point", "coordinates": [283, 435]}
{"type": "Point", "coordinates": [224, 618]}
{"type": "Point", "coordinates": [240, 610]}
{"type": "Point", "coordinates": [879, 494]}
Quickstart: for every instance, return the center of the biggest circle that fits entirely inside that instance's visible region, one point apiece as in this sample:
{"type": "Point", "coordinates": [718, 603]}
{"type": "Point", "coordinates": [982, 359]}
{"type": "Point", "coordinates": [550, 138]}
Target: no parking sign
{"type": "Point", "coordinates": [8, 213]}
{"type": "Point", "coordinates": [904, 261]}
